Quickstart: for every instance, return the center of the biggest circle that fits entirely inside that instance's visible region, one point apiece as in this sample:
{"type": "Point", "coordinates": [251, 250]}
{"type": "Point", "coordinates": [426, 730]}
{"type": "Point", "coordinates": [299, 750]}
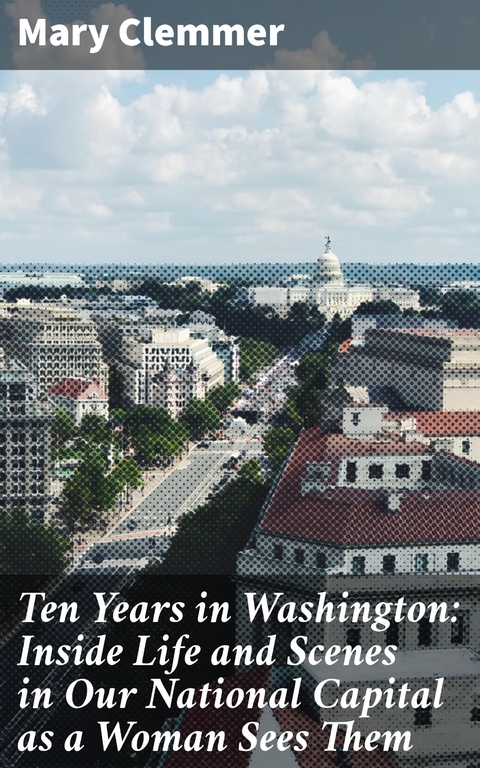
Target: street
{"type": "Point", "coordinates": [145, 532]}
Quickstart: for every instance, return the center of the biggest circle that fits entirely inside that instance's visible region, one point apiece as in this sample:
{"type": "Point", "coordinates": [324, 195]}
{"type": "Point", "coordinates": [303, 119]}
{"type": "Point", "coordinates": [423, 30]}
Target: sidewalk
{"type": "Point", "coordinates": [152, 479]}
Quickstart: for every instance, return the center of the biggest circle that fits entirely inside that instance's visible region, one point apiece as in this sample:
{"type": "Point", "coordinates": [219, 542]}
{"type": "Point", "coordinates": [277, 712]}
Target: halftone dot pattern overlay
{"type": "Point", "coordinates": [253, 35]}
{"type": "Point", "coordinates": [282, 461]}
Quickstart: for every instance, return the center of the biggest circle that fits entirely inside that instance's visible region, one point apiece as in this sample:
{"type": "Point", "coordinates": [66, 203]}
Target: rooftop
{"type": "Point", "coordinates": [442, 423]}
{"type": "Point", "coordinates": [77, 388]}
{"type": "Point", "coordinates": [357, 517]}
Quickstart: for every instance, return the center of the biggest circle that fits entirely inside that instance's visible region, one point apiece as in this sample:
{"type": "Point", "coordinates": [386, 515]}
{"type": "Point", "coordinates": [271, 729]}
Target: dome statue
{"type": "Point", "coordinates": [328, 270]}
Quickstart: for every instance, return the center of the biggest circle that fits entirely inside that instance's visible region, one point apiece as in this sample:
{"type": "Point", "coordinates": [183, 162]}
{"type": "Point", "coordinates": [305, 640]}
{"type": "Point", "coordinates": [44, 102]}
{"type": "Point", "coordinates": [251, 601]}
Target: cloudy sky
{"type": "Point", "coordinates": [230, 167]}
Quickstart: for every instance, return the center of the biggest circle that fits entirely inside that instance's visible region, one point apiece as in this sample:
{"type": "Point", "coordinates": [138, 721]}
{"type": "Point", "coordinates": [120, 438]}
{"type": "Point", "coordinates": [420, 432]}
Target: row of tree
{"type": "Point", "coordinates": [113, 453]}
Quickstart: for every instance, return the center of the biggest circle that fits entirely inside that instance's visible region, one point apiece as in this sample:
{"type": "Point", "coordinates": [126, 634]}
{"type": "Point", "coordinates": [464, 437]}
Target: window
{"type": "Point", "coordinates": [389, 563]}
{"type": "Point", "coordinates": [321, 560]}
{"type": "Point", "coordinates": [465, 447]}
{"type": "Point", "coordinates": [355, 419]}
{"type": "Point", "coordinates": [299, 556]}
{"type": "Point", "coordinates": [353, 636]}
{"type": "Point", "coordinates": [358, 565]}
{"type": "Point", "coordinates": [392, 634]}
{"type": "Point", "coordinates": [375, 471]}
{"type": "Point", "coordinates": [426, 470]}
{"type": "Point", "coordinates": [453, 561]}
{"type": "Point", "coordinates": [423, 717]}
{"type": "Point", "coordinates": [421, 563]}
{"type": "Point", "coordinates": [351, 473]}
{"type": "Point", "coordinates": [458, 631]}
{"type": "Point", "coordinates": [425, 632]}
{"type": "Point", "coordinates": [278, 551]}
{"type": "Point", "coordinates": [402, 470]}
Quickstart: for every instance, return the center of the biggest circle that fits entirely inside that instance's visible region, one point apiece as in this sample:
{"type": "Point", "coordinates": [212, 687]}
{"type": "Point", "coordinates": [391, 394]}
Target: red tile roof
{"type": "Point", "coordinates": [314, 756]}
{"type": "Point", "coordinates": [232, 721]}
{"type": "Point", "coordinates": [77, 388]}
{"type": "Point", "coordinates": [229, 720]}
{"type": "Point", "coordinates": [357, 517]}
{"type": "Point", "coordinates": [442, 423]}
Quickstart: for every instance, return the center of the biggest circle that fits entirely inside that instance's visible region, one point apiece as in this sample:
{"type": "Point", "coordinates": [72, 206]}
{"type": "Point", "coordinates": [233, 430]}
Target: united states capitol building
{"type": "Point", "coordinates": [327, 289]}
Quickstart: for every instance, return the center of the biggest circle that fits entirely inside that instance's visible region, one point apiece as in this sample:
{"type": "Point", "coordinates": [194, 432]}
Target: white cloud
{"type": "Point", "coordinates": [112, 55]}
{"type": "Point", "coordinates": [267, 161]}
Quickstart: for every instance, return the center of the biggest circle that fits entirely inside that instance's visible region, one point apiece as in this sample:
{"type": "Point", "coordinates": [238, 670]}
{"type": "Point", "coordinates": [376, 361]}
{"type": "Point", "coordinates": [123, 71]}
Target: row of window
{"type": "Point", "coordinates": [376, 471]}
{"type": "Point", "coordinates": [299, 556]}
{"type": "Point", "coordinates": [18, 437]}
{"type": "Point", "coordinates": [389, 563]}
{"type": "Point", "coordinates": [458, 633]}
{"type": "Point", "coordinates": [359, 561]}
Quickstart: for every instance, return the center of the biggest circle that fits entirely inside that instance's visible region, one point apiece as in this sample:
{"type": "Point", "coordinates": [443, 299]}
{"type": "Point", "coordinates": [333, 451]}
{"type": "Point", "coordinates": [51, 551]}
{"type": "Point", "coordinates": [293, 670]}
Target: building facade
{"type": "Point", "coordinates": [428, 369]}
{"type": "Point", "coordinates": [329, 292]}
{"type": "Point", "coordinates": [25, 437]}
{"type": "Point", "coordinates": [78, 397]}
{"type": "Point", "coordinates": [367, 514]}
{"type": "Point", "coordinates": [53, 343]}
{"type": "Point", "coordinates": [169, 370]}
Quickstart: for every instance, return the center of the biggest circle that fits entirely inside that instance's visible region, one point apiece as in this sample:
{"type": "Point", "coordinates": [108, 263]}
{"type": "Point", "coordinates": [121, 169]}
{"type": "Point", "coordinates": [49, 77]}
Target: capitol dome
{"type": "Point", "coordinates": [328, 270]}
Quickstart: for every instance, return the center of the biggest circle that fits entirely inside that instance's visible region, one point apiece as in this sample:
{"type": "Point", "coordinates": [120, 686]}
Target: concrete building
{"type": "Point", "coordinates": [169, 370]}
{"type": "Point", "coordinates": [79, 396]}
{"type": "Point", "coordinates": [367, 513]}
{"type": "Point", "coordinates": [25, 437]}
{"type": "Point", "coordinates": [443, 736]}
{"type": "Point", "coordinates": [427, 369]}
{"type": "Point", "coordinates": [328, 290]}
{"type": "Point", "coordinates": [53, 343]}
{"type": "Point", "coordinates": [205, 284]}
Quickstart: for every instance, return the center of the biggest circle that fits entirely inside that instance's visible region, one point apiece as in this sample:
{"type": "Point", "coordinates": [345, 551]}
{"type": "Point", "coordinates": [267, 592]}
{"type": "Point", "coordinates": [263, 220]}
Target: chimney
{"type": "Point", "coordinates": [392, 500]}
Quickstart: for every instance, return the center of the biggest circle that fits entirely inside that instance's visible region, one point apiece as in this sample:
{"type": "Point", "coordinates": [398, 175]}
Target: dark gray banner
{"type": "Point", "coordinates": [326, 34]}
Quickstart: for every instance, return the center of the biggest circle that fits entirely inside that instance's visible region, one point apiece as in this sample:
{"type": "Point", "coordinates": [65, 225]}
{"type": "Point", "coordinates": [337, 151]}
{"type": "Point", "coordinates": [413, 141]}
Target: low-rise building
{"type": "Point", "coordinates": [78, 396]}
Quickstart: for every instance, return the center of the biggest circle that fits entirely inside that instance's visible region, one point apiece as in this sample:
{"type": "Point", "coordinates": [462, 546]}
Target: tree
{"type": "Point", "coordinates": [95, 426]}
{"type": "Point", "coordinates": [463, 307]}
{"type": "Point", "coordinates": [255, 355]}
{"type": "Point", "coordinates": [30, 548]}
{"type": "Point", "coordinates": [251, 471]}
{"type": "Point", "coordinates": [127, 472]}
{"type": "Point", "coordinates": [78, 498]}
{"type": "Point", "coordinates": [222, 397]}
{"type": "Point", "coordinates": [144, 443]}
{"type": "Point", "coordinates": [313, 367]}
{"type": "Point", "coordinates": [429, 296]}
{"type": "Point", "coordinates": [63, 427]}
{"type": "Point", "coordinates": [90, 487]}
{"type": "Point", "coordinates": [277, 444]}
{"type": "Point", "coordinates": [200, 417]}
{"type": "Point", "coordinates": [383, 307]}
{"type": "Point", "coordinates": [209, 538]}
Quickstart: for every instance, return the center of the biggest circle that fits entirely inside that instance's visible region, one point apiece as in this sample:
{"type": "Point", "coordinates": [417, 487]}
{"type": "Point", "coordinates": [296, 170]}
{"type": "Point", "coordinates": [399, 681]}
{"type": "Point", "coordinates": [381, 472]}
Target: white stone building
{"type": "Point", "coordinates": [53, 342]}
{"type": "Point", "coordinates": [169, 370]}
{"type": "Point", "coordinates": [328, 290]}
